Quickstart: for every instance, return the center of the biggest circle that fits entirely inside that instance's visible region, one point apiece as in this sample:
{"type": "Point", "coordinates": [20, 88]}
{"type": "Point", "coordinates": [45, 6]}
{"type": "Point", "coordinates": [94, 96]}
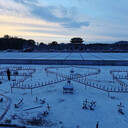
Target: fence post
{"type": "Point", "coordinates": [11, 90]}
{"type": "Point", "coordinates": [31, 77]}
{"type": "Point", "coordinates": [113, 78]}
{"type": "Point", "coordinates": [85, 87]}
{"type": "Point", "coordinates": [31, 90]}
{"type": "Point", "coordinates": [108, 94]}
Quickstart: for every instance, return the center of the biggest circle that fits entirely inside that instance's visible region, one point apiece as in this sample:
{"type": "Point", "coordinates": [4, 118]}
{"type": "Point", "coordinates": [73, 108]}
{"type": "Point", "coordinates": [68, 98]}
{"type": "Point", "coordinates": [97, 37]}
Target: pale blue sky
{"type": "Point", "coordinates": [60, 20]}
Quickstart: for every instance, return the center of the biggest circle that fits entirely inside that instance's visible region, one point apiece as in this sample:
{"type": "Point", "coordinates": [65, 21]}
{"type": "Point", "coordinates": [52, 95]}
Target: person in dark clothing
{"type": "Point", "coordinates": [97, 125]}
{"type": "Point", "coordinates": [8, 73]}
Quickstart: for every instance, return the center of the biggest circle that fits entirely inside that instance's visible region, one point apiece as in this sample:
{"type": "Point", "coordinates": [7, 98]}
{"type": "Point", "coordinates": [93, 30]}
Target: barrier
{"type": "Point", "coordinates": [64, 62]}
{"type": "Point", "coordinates": [80, 79]}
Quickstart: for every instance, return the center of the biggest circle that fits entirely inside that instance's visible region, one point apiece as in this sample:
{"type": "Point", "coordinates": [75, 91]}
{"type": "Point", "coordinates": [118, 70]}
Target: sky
{"type": "Point", "coordinates": [60, 20]}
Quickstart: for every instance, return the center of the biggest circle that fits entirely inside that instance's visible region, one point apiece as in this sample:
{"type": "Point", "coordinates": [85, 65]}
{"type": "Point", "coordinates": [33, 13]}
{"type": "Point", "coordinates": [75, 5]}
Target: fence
{"type": "Point", "coordinates": [80, 79]}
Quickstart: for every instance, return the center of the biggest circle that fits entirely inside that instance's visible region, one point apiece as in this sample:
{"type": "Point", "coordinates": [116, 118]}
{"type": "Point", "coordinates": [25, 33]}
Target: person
{"type": "Point", "coordinates": [8, 73]}
{"type": "Point", "coordinates": [97, 125]}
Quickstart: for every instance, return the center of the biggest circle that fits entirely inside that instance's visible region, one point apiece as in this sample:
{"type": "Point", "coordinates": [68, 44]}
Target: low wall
{"type": "Point", "coordinates": [65, 62]}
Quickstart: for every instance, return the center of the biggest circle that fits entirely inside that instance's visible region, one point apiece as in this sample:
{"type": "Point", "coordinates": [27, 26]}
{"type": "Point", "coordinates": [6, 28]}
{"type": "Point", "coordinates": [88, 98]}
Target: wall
{"type": "Point", "coordinates": [64, 62]}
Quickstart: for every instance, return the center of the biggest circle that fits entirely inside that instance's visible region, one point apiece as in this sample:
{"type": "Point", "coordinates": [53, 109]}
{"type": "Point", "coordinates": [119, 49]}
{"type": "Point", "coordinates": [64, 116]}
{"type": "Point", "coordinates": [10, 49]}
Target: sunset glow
{"type": "Point", "coordinates": [48, 20]}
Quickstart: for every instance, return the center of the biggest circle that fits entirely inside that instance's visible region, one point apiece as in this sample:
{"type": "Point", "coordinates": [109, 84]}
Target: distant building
{"type": "Point", "coordinates": [77, 40]}
{"type": "Point", "coordinates": [75, 45]}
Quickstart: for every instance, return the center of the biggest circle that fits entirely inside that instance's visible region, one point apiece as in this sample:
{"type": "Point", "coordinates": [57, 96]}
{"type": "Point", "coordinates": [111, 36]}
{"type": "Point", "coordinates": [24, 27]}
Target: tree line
{"type": "Point", "coordinates": [8, 42]}
{"type": "Point", "coordinates": [117, 46]}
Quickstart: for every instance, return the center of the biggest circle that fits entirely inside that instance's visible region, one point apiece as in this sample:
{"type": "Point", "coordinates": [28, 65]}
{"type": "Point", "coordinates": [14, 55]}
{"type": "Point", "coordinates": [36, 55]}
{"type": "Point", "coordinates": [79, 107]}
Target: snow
{"type": "Point", "coordinates": [65, 56]}
{"type": "Point", "coordinates": [67, 108]}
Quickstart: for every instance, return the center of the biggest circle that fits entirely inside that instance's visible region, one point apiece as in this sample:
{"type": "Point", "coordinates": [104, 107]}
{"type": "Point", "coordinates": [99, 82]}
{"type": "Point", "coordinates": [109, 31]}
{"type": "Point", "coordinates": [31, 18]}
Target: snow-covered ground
{"type": "Point", "coordinates": [66, 109]}
{"type": "Point", "coordinates": [67, 56]}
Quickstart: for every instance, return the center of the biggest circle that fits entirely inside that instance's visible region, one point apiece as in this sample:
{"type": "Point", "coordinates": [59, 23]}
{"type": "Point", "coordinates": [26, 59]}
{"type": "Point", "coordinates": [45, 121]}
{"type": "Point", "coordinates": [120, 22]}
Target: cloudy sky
{"type": "Point", "coordinates": [60, 20]}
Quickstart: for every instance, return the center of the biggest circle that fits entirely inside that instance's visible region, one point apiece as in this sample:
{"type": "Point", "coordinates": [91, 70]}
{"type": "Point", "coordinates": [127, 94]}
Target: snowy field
{"type": "Point", "coordinates": [66, 109]}
{"type": "Point", "coordinates": [66, 56]}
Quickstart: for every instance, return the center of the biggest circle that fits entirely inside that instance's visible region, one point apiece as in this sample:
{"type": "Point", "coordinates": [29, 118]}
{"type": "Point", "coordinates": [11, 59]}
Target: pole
{"type": "Point", "coordinates": [85, 86]}
{"type": "Point", "coordinates": [108, 94]}
{"type": "Point", "coordinates": [113, 79]}
{"type": "Point", "coordinates": [11, 90]}
{"type": "Point", "coordinates": [31, 90]}
{"type": "Point", "coordinates": [31, 77]}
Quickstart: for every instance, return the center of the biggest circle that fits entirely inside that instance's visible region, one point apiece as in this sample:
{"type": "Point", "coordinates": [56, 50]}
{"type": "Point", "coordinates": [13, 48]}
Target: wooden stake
{"type": "Point", "coordinates": [108, 94]}
{"type": "Point", "coordinates": [11, 90]}
{"type": "Point", "coordinates": [31, 91]}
